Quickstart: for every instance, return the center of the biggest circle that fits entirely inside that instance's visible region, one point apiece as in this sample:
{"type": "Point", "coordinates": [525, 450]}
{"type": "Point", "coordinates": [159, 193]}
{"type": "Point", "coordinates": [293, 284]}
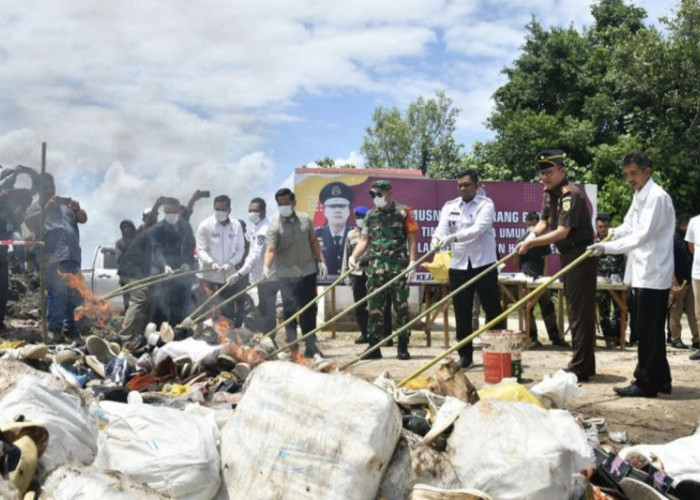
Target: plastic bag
{"type": "Point", "coordinates": [69, 482]}
{"type": "Point", "coordinates": [72, 429]}
{"type": "Point", "coordinates": [510, 390]}
{"type": "Point", "coordinates": [174, 452]}
{"type": "Point", "coordinates": [518, 451]}
{"type": "Point", "coordinates": [680, 458]}
{"type": "Point", "coordinates": [557, 390]}
{"type": "Point", "coordinates": [440, 265]}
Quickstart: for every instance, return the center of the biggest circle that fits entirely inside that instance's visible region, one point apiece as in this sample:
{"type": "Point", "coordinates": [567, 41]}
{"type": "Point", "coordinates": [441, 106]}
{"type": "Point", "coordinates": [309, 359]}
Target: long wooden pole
{"type": "Point", "coordinates": [356, 304]}
{"type": "Point", "coordinates": [430, 309]}
{"type": "Point", "coordinates": [43, 267]}
{"type": "Point", "coordinates": [497, 319]}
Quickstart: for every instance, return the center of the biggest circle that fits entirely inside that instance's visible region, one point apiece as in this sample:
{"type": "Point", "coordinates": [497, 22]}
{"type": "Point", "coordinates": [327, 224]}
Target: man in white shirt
{"type": "Point", "coordinates": [692, 237]}
{"type": "Point", "coordinates": [646, 236]}
{"type": "Point", "coordinates": [253, 265]}
{"type": "Point", "coordinates": [467, 224]}
{"type": "Point", "coordinates": [220, 247]}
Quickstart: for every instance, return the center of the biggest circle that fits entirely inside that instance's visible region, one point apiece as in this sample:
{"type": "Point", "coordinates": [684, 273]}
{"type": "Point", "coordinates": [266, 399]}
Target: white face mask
{"type": "Point", "coordinates": [359, 223]}
{"type": "Point", "coordinates": [254, 217]}
{"type": "Point", "coordinates": [171, 218]}
{"type": "Point", "coordinates": [220, 215]}
{"type": "Point", "coordinates": [285, 210]}
{"type": "Point", "coordinates": [379, 201]}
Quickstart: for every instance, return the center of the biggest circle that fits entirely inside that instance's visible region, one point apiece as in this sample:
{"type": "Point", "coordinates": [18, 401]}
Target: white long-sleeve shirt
{"type": "Point", "coordinates": [221, 244]}
{"type": "Point", "coordinates": [473, 223]}
{"type": "Point", "coordinates": [253, 264]}
{"type": "Point", "coordinates": [646, 236]}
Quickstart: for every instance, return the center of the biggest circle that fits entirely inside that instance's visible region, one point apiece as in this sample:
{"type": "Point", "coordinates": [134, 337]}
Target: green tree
{"type": "Point", "coordinates": [420, 138]}
{"type": "Point", "coordinates": [599, 93]}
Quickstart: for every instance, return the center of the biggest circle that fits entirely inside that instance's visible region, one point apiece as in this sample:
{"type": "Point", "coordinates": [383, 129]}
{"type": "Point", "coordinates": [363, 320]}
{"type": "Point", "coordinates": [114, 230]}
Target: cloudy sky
{"type": "Point", "coordinates": [141, 98]}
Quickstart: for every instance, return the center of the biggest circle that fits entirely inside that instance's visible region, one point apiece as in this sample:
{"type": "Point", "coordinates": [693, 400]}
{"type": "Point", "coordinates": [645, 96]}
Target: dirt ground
{"type": "Point", "coordinates": [646, 420]}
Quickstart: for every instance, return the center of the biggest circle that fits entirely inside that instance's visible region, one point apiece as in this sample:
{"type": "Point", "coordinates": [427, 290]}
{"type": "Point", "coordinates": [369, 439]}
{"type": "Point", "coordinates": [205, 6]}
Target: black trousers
{"type": "Point", "coordinates": [235, 310]}
{"type": "Point", "coordinates": [652, 371]}
{"type": "Point", "coordinates": [267, 300]}
{"type": "Point", "coordinates": [296, 293]}
{"type": "Point", "coordinates": [548, 315]}
{"type": "Point", "coordinates": [490, 295]}
{"type": "Point", "coordinates": [359, 291]}
{"type": "Point", "coordinates": [579, 289]}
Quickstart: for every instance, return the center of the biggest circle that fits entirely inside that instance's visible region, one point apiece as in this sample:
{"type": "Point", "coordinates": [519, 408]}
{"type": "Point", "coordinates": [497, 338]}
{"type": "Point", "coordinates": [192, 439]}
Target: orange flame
{"type": "Point", "coordinates": [296, 356]}
{"type": "Point", "coordinates": [246, 354]}
{"type": "Point", "coordinates": [93, 308]}
{"type": "Point", "coordinates": [223, 326]}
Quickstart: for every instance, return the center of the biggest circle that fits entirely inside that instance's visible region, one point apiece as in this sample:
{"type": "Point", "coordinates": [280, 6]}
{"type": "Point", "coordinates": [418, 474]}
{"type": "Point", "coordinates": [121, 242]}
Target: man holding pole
{"type": "Point", "coordinates": [566, 221]}
{"type": "Point", "coordinates": [646, 236]}
{"type": "Point", "coordinates": [293, 246]}
{"type": "Point", "coordinates": [467, 224]}
{"type": "Point", "coordinates": [389, 233]}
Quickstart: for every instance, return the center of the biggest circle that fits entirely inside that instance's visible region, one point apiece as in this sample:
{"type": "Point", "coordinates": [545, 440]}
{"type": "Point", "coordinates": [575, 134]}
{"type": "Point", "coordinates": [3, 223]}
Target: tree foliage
{"type": "Point", "coordinates": [422, 137]}
{"type": "Point", "coordinates": [599, 93]}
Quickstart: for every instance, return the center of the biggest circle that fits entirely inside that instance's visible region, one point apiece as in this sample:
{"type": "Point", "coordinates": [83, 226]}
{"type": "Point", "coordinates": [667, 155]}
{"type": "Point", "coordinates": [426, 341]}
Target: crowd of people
{"type": "Point", "coordinates": [286, 255]}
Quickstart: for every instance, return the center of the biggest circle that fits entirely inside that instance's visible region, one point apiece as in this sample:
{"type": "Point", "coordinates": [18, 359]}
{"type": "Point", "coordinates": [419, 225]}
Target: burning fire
{"type": "Point", "coordinates": [296, 356]}
{"type": "Point", "coordinates": [246, 354]}
{"type": "Point", "coordinates": [93, 308]}
{"type": "Point", "coordinates": [223, 326]}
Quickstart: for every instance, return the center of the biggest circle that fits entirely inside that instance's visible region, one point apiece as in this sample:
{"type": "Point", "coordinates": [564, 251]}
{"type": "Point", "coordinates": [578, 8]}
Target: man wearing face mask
{"type": "Point", "coordinates": [253, 265]}
{"type": "Point", "coordinates": [293, 246]}
{"type": "Point", "coordinates": [466, 223]}
{"type": "Point", "coordinates": [173, 250]}
{"type": "Point", "coordinates": [220, 247]}
{"type": "Point", "coordinates": [389, 235]}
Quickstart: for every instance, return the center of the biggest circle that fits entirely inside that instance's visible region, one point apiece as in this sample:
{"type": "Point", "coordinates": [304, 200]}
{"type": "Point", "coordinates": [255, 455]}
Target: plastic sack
{"type": "Point", "coordinates": [69, 482]}
{"type": "Point", "coordinates": [174, 452]}
{"type": "Point", "coordinates": [302, 434]}
{"type": "Point", "coordinates": [557, 390]}
{"type": "Point", "coordinates": [518, 451]}
{"type": "Point", "coordinates": [198, 351]}
{"type": "Point", "coordinates": [440, 265]}
{"type": "Point", "coordinates": [680, 458]}
{"type": "Point", "coordinates": [510, 390]}
{"type": "Point", "coordinates": [72, 429]}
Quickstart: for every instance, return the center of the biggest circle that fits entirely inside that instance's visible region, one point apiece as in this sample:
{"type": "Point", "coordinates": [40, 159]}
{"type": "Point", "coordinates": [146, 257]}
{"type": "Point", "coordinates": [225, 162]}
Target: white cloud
{"type": "Point", "coordinates": [140, 98]}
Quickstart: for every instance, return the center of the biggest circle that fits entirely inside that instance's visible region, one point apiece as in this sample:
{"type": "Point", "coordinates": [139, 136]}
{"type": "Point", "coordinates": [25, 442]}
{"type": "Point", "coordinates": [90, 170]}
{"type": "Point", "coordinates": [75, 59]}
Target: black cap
{"type": "Point", "coordinates": [550, 158]}
{"type": "Point", "coordinates": [336, 190]}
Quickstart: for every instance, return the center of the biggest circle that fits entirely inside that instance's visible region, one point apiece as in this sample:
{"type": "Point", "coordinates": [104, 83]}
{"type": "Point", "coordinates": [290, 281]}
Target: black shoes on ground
{"type": "Point", "coordinates": [362, 339]}
{"type": "Point", "coordinates": [678, 344]}
{"type": "Point", "coordinates": [464, 363]}
{"type": "Point", "coordinates": [695, 356]}
{"type": "Point", "coordinates": [559, 342]}
{"type": "Point", "coordinates": [635, 391]}
{"type": "Point", "coordinates": [376, 354]}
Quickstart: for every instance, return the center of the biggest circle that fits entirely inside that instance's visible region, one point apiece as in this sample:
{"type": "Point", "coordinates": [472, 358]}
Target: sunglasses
{"type": "Point", "coordinates": [374, 194]}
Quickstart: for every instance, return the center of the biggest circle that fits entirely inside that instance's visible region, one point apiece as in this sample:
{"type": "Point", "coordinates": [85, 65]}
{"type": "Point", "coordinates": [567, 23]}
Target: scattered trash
{"type": "Point", "coordinates": [618, 437]}
{"type": "Point", "coordinates": [508, 389]}
{"type": "Point", "coordinates": [557, 390]}
{"type": "Point", "coordinates": [450, 380]}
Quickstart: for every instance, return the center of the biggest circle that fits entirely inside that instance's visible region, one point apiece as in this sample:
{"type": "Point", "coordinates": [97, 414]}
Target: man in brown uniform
{"type": "Point", "coordinates": [566, 221]}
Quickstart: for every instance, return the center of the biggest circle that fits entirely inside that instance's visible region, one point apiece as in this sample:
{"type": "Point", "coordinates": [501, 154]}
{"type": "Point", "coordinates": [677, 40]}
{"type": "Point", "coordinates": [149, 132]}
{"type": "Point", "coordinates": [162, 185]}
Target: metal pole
{"type": "Point", "coordinates": [497, 319]}
{"type": "Point", "coordinates": [42, 248]}
{"type": "Point", "coordinates": [430, 309]}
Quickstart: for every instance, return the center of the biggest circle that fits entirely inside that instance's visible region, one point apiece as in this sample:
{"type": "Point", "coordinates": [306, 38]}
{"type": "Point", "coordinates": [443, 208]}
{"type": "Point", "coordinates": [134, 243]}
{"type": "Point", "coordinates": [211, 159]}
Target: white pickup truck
{"type": "Point", "coordinates": [102, 277]}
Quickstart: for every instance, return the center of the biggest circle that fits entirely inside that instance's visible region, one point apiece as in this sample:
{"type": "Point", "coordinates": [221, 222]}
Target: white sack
{"type": "Point", "coordinates": [72, 429]}
{"type": "Point", "coordinates": [70, 482]}
{"type": "Point", "coordinates": [301, 434]}
{"type": "Point", "coordinates": [174, 452]}
{"type": "Point", "coordinates": [514, 450]}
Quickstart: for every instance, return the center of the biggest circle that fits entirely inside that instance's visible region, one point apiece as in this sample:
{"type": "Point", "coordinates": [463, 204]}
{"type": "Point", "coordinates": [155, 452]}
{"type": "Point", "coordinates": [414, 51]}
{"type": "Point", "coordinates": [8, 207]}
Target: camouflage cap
{"type": "Point", "coordinates": [382, 184]}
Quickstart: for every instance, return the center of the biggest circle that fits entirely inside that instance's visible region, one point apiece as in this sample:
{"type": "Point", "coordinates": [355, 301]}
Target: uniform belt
{"type": "Point", "coordinates": [573, 246]}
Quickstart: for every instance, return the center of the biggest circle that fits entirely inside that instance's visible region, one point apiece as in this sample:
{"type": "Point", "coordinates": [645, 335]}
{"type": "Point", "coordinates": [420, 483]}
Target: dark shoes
{"type": "Point", "coordinates": [635, 391]}
{"type": "Point", "coordinates": [559, 342]}
{"type": "Point", "coordinates": [695, 356]}
{"type": "Point", "coordinates": [695, 344]}
{"type": "Point", "coordinates": [534, 344]}
{"type": "Point", "coordinates": [612, 343]}
{"type": "Point", "coordinates": [464, 363]}
{"type": "Point", "coordinates": [678, 344]}
{"type": "Point", "coordinates": [402, 353]}
{"type": "Point", "coordinates": [362, 339]}
{"type": "Point", "coordinates": [311, 351]}
{"type": "Point", "coordinates": [376, 354]}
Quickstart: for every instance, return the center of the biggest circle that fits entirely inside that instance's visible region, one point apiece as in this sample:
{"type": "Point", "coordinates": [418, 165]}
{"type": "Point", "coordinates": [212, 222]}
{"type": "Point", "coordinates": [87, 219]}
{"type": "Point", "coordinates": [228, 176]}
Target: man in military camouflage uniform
{"type": "Point", "coordinates": [389, 235]}
{"type": "Point", "coordinates": [608, 266]}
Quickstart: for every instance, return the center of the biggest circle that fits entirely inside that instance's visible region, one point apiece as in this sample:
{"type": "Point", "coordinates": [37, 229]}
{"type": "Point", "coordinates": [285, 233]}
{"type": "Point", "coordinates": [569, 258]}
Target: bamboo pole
{"type": "Point", "coordinates": [454, 292]}
{"type": "Point", "coordinates": [207, 301]}
{"type": "Point", "coordinates": [151, 280]}
{"type": "Point", "coordinates": [312, 302]}
{"type": "Point", "coordinates": [356, 304]}
{"type": "Point", "coordinates": [43, 267]}
{"type": "Point", "coordinates": [230, 299]}
{"type": "Point", "coordinates": [497, 319]}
